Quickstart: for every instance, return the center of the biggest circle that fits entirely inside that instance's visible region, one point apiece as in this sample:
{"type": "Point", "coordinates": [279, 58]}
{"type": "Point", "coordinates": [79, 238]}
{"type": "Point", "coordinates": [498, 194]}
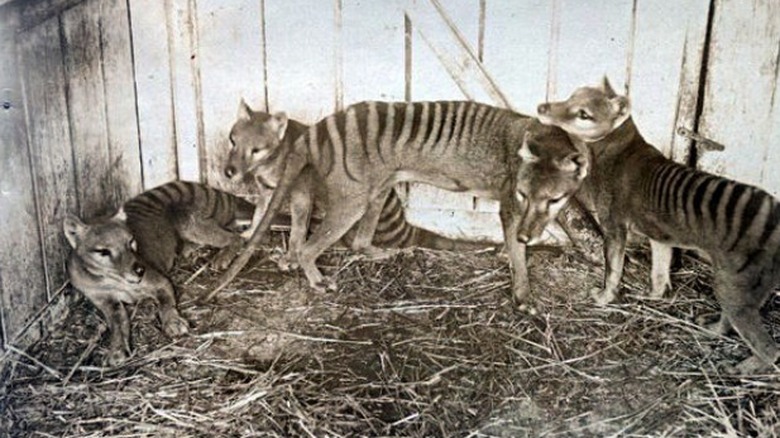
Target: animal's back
{"type": "Point", "coordinates": [164, 218]}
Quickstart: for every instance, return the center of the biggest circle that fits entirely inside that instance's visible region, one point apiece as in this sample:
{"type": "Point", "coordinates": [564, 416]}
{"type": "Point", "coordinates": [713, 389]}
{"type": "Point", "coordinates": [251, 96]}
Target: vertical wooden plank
{"type": "Point", "coordinates": [120, 99]}
{"type": "Point", "coordinates": [770, 177]}
{"type": "Point", "coordinates": [86, 108]}
{"type": "Point", "coordinates": [658, 76]}
{"type": "Point", "coordinates": [373, 47]}
{"type": "Point", "coordinates": [591, 42]}
{"type": "Point", "coordinates": [741, 82]}
{"type": "Point", "coordinates": [180, 16]}
{"type": "Point", "coordinates": [22, 275]}
{"type": "Point", "coordinates": [154, 91]}
{"type": "Point", "coordinates": [230, 53]}
{"type": "Point", "coordinates": [51, 154]}
{"type": "Point", "coordinates": [517, 40]}
{"type": "Point", "coordinates": [301, 69]}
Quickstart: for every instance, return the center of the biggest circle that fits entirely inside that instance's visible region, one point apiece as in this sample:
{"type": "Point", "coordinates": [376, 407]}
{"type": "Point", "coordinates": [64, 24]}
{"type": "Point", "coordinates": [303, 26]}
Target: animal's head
{"type": "Point", "coordinates": [106, 249]}
{"type": "Point", "coordinates": [589, 114]}
{"type": "Point", "coordinates": [256, 139]}
{"type": "Point", "coordinates": [551, 170]}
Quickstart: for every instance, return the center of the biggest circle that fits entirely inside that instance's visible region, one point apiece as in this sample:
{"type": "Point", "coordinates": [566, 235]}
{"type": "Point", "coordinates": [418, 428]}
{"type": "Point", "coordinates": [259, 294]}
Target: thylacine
{"type": "Point", "coordinates": [359, 154]}
{"type": "Point", "coordinates": [172, 215]}
{"type": "Point", "coordinates": [120, 260]}
{"type": "Point", "coordinates": [639, 189]}
{"type": "Point", "coordinates": [257, 140]}
{"type": "Point", "coordinates": [106, 268]}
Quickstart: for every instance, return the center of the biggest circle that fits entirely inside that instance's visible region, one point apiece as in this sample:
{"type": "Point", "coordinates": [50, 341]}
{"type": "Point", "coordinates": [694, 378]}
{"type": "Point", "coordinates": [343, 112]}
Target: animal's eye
{"type": "Point", "coordinates": [232, 141]}
{"type": "Point", "coordinates": [583, 115]}
{"type": "Point", "coordinates": [133, 245]}
{"type": "Point", "coordinates": [103, 252]}
{"type": "Point", "coordinates": [520, 195]}
{"type": "Point", "coordinates": [255, 151]}
{"type": "Point", "coordinates": [556, 201]}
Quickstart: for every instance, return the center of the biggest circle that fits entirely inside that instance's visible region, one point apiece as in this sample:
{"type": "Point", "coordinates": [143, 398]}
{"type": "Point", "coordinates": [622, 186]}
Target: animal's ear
{"type": "Point", "coordinates": [621, 106]}
{"type": "Point", "coordinates": [525, 153]}
{"type": "Point", "coordinates": [74, 230]}
{"type": "Point", "coordinates": [607, 87]}
{"type": "Point", "coordinates": [279, 121]}
{"type": "Point", "coordinates": [574, 162]}
{"type": "Point", "coordinates": [120, 215]}
{"type": "Point", "coordinates": [244, 111]}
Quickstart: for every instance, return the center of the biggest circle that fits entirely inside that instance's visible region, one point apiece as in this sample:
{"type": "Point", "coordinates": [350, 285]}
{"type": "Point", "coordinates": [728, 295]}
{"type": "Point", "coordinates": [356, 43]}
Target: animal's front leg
{"type": "Point", "coordinates": [662, 262]}
{"type": "Point", "coordinates": [614, 255]}
{"type": "Point", "coordinates": [300, 211]}
{"type": "Point", "coordinates": [162, 290]}
{"type": "Point", "coordinates": [118, 327]}
{"type": "Point", "coordinates": [510, 221]}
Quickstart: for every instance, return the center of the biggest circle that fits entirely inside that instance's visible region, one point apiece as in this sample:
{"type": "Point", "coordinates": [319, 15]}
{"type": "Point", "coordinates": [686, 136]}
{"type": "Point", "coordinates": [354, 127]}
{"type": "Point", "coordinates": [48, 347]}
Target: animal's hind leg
{"type": "Point", "coordinates": [342, 214]}
{"type": "Point", "coordinates": [741, 307]}
{"type": "Point", "coordinates": [209, 232]}
{"type": "Point", "coordinates": [366, 228]}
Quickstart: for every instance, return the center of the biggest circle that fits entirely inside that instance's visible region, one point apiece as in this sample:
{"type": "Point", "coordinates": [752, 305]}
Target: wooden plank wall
{"type": "Point", "coordinates": [22, 273]}
{"type": "Point", "coordinates": [121, 95]}
{"type": "Point", "coordinates": [741, 109]}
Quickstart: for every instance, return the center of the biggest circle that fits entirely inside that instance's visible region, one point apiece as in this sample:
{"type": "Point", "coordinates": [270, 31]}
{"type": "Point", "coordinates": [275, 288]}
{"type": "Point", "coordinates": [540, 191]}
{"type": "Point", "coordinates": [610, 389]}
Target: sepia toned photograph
{"type": "Point", "coordinates": [389, 218]}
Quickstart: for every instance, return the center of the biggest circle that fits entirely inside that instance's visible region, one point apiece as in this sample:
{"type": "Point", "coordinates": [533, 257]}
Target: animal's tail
{"type": "Point", "coordinates": [294, 164]}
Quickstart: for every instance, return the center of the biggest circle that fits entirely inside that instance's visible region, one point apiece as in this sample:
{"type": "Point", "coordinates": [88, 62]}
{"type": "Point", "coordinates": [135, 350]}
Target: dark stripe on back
{"type": "Point", "coordinates": [685, 192]}
{"type": "Point", "coordinates": [717, 194]}
{"type": "Point", "coordinates": [361, 118]}
{"type": "Point", "coordinates": [398, 124]}
{"type": "Point", "coordinates": [771, 223]}
{"type": "Point", "coordinates": [698, 196]}
{"type": "Point", "coordinates": [444, 114]}
{"type": "Point", "coordinates": [749, 214]}
{"type": "Point", "coordinates": [659, 184]}
{"type": "Point", "coordinates": [433, 114]}
{"type": "Point", "coordinates": [750, 259]}
{"type": "Point", "coordinates": [416, 120]}
{"type": "Point", "coordinates": [667, 193]}
{"type": "Point", "coordinates": [731, 206]}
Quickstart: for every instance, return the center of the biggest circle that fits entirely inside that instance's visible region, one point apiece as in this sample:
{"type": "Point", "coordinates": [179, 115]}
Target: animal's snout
{"type": "Point", "coordinates": [543, 108]}
{"type": "Point", "coordinates": [139, 269]}
{"type": "Point", "coordinates": [230, 171]}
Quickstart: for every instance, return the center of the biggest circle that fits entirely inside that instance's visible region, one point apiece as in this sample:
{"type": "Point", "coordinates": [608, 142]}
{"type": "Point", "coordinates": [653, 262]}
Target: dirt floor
{"type": "Point", "coordinates": [426, 344]}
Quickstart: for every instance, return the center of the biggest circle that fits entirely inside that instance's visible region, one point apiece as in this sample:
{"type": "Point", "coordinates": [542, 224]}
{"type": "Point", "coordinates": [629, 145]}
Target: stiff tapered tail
{"type": "Point", "coordinates": [292, 169]}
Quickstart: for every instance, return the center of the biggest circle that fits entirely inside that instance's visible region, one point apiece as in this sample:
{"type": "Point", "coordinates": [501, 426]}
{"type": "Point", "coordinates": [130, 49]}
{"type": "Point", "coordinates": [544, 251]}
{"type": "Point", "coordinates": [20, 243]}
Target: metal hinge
{"type": "Point", "coordinates": [703, 144]}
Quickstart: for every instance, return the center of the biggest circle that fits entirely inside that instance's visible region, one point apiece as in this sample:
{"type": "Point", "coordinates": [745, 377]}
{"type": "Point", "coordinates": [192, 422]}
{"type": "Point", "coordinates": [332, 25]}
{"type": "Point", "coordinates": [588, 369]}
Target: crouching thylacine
{"type": "Point", "coordinates": [121, 260]}
{"type": "Point", "coordinates": [637, 188]}
{"type": "Point", "coordinates": [359, 154]}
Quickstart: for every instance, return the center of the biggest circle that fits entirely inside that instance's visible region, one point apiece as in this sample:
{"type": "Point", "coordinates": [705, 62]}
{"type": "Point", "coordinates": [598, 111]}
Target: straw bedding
{"type": "Point", "coordinates": [425, 344]}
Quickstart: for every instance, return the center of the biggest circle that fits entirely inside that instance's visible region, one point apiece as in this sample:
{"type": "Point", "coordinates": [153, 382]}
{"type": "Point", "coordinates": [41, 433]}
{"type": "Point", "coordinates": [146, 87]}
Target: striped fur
{"type": "Point", "coordinates": [356, 156]}
{"type": "Point", "coordinates": [165, 218]}
{"type": "Point", "coordinates": [270, 131]}
{"type": "Point", "coordinates": [736, 225]}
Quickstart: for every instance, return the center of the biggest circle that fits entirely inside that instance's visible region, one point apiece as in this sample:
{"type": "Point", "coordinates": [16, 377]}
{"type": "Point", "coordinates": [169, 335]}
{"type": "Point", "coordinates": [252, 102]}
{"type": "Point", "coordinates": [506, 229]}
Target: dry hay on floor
{"type": "Point", "coordinates": [425, 344]}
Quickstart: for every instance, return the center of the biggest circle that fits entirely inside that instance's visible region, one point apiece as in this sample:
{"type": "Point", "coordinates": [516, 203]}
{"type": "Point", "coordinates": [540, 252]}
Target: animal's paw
{"type": "Point", "coordinates": [324, 284]}
{"type": "Point", "coordinates": [528, 309]}
{"type": "Point", "coordinates": [174, 325]}
{"type": "Point", "coordinates": [223, 258]}
{"type": "Point", "coordinates": [116, 357]}
{"type": "Point", "coordinates": [602, 296]}
{"type": "Point", "coordinates": [750, 366]}
{"type": "Point", "coordinates": [287, 263]}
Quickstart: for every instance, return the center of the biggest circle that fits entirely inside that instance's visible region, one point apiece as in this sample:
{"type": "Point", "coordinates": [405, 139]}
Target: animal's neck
{"type": "Point", "coordinates": [294, 130]}
{"type": "Point", "coordinates": [618, 139]}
